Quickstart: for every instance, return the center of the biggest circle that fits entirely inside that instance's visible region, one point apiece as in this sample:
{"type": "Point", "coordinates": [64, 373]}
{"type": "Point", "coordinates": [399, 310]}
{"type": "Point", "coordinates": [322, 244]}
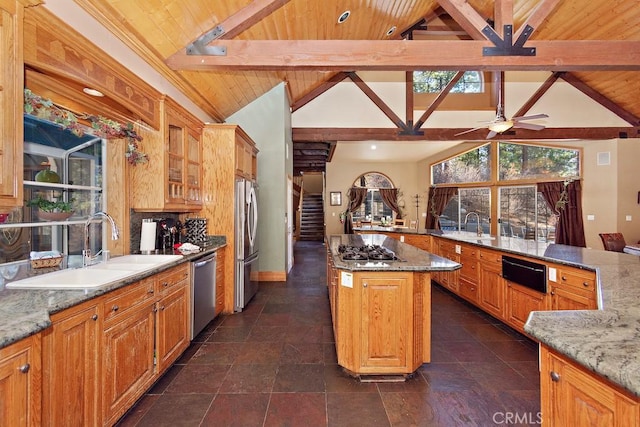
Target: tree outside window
{"type": "Point", "coordinates": [435, 81]}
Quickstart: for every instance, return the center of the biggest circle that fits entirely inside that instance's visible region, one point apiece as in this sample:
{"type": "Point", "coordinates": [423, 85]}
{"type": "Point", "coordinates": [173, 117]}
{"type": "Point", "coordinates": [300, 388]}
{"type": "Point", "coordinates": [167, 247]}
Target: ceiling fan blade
{"type": "Point", "coordinates": [470, 130]}
{"type": "Point", "coordinates": [491, 134]}
{"type": "Point", "coordinates": [530, 126]}
{"type": "Point", "coordinates": [532, 117]}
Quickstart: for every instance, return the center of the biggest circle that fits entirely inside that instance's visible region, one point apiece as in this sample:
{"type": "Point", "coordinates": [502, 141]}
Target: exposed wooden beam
{"type": "Point", "coordinates": [334, 80]}
{"type": "Point", "coordinates": [539, 14]}
{"type": "Point", "coordinates": [436, 102]}
{"type": "Point", "coordinates": [446, 134]}
{"type": "Point", "coordinates": [466, 16]}
{"type": "Point", "coordinates": [600, 99]}
{"type": "Point", "coordinates": [377, 100]}
{"type": "Point", "coordinates": [502, 15]}
{"type": "Point", "coordinates": [240, 21]}
{"type": "Point", "coordinates": [348, 55]}
{"type": "Point", "coordinates": [537, 95]}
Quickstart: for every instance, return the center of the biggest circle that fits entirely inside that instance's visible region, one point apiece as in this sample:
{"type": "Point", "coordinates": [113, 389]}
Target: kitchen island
{"type": "Point", "coordinates": [381, 305]}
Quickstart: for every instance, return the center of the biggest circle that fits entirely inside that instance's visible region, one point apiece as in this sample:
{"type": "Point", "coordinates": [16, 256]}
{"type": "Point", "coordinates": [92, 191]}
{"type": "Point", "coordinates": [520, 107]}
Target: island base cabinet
{"type": "Point", "coordinates": [129, 361]}
{"type": "Point", "coordinates": [71, 367]}
{"type": "Point", "coordinates": [573, 396]}
{"type": "Point", "coordinates": [382, 321]}
{"type": "Point", "coordinates": [20, 382]}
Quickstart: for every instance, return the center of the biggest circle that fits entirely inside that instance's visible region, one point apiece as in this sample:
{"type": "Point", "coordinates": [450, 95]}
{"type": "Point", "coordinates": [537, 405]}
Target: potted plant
{"type": "Point", "coordinates": [49, 210]}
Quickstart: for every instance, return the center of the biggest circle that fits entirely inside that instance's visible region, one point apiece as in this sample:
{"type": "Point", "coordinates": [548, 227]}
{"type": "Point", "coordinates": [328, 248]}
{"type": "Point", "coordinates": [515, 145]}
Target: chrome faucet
{"type": "Point", "coordinates": [87, 258]}
{"type": "Point", "coordinates": [479, 228]}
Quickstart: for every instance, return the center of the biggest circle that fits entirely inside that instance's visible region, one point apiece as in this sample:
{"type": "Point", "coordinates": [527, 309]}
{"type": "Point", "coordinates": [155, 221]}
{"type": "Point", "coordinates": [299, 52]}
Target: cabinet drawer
{"type": "Point", "coordinates": [578, 279]}
{"type": "Point", "coordinates": [468, 290]}
{"type": "Point", "coordinates": [130, 297]}
{"type": "Point", "coordinates": [491, 256]}
{"type": "Point", "coordinates": [171, 278]}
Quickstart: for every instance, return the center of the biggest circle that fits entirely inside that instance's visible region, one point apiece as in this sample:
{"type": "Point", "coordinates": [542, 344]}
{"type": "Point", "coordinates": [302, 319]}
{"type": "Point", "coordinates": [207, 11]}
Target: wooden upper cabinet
{"type": "Point", "coordinates": [246, 158]}
{"type": "Point", "coordinates": [172, 179]}
{"type": "Point", "coordinates": [11, 104]}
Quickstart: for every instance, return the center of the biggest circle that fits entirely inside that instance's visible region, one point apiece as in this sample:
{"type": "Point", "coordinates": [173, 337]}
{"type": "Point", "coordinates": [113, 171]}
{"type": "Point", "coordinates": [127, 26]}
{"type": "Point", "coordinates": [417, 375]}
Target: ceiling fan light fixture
{"type": "Point", "coordinates": [502, 126]}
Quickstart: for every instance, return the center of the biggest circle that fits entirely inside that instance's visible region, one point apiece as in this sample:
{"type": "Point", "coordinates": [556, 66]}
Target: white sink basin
{"type": "Point", "coordinates": [77, 278]}
{"type": "Point", "coordinates": [114, 270]}
{"type": "Point", "coordinates": [462, 235]}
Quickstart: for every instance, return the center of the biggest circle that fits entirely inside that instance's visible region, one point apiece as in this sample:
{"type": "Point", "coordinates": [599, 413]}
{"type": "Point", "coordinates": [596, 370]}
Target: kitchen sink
{"type": "Point", "coordinates": [468, 236]}
{"type": "Point", "coordinates": [116, 269]}
{"type": "Point", "coordinates": [75, 278]}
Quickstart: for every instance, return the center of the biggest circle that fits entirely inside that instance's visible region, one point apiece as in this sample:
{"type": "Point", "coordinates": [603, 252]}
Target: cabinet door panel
{"type": "Point", "coordinates": [71, 363]}
{"type": "Point", "coordinates": [129, 361]}
{"type": "Point", "coordinates": [20, 379]}
{"type": "Point", "coordinates": [384, 321]}
{"type": "Point", "coordinates": [520, 302]}
{"type": "Point", "coordinates": [492, 293]}
{"type": "Point", "coordinates": [173, 327]}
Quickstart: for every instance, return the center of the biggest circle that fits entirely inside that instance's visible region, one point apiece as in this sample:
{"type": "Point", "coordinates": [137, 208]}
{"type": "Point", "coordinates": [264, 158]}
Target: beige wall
{"type": "Point", "coordinates": [313, 182]}
{"type": "Point", "coordinates": [610, 192]}
{"type": "Point", "coordinates": [340, 177]}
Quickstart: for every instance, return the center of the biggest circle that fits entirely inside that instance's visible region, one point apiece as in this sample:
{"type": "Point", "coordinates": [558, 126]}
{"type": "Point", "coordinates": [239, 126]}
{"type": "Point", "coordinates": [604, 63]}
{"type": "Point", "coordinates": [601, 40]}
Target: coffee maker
{"type": "Point", "coordinates": [168, 233]}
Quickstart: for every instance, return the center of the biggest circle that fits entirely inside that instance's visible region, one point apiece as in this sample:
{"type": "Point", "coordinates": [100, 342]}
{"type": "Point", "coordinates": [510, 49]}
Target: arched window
{"type": "Point", "coordinates": [435, 81]}
{"type": "Point", "coordinates": [373, 208]}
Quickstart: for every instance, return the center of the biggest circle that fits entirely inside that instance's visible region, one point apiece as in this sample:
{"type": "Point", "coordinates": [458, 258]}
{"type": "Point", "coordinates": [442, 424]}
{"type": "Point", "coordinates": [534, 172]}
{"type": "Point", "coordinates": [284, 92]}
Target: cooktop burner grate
{"type": "Point", "coordinates": [367, 252]}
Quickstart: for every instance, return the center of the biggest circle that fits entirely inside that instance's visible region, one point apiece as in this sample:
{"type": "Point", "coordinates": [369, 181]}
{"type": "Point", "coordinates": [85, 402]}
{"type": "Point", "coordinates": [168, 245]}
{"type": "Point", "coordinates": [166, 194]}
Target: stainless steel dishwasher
{"type": "Point", "coordinates": [203, 293]}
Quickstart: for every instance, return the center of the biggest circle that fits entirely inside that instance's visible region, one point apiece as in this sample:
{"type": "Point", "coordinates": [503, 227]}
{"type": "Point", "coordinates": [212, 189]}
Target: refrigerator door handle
{"type": "Point", "coordinates": [252, 222]}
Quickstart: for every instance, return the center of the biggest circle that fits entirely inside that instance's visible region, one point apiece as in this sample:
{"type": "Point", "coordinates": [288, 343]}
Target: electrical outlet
{"type": "Point", "coordinates": [628, 218]}
{"type": "Point", "coordinates": [591, 217]}
{"type": "Point", "coordinates": [402, 239]}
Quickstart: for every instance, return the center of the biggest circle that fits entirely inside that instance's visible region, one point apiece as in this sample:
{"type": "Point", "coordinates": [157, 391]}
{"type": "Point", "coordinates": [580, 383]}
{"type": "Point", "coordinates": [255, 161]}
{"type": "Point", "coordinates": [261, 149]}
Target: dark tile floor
{"type": "Point", "coordinates": [274, 364]}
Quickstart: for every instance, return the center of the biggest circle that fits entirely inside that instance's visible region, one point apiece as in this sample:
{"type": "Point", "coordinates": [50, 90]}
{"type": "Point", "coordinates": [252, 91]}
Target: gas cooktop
{"type": "Point", "coordinates": [366, 252]}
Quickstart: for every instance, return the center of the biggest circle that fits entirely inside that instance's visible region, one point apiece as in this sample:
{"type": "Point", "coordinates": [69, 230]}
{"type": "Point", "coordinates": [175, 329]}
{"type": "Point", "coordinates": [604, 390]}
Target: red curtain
{"type": "Point", "coordinates": [566, 199]}
{"type": "Point", "coordinates": [390, 198]}
{"type": "Point", "coordinates": [439, 197]}
{"type": "Point", "coordinates": [356, 197]}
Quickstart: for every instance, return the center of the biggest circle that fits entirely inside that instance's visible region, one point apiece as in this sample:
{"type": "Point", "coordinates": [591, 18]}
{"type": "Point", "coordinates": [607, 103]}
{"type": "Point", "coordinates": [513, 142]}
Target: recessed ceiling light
{"type": "Point", "coordinates": [391, 30]}
{"type": "Point", "coordinates": [345, 15]}
{"type": "Point", "coordinates": [373, 147]}
{"type": "Point", "coordinates": [92, 92]}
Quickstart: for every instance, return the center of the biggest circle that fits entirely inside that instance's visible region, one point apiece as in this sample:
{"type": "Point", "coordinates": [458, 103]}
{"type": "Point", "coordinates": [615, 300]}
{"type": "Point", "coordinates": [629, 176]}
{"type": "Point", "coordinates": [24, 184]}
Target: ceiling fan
{"type": "Point", "coordinates": [501, 124]}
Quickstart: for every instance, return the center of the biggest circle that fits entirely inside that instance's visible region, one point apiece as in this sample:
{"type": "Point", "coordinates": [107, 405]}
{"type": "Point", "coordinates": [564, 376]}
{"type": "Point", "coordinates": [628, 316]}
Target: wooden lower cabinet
{"type": "Point", "coordinates": [382, 321]}
{"type": "Point", "coordinates": [20, 383]}
{"type": "Point", "coordinates": [148, 337]}
{"type": "Point", "coordinates": [128, 361]}
{"type": "Point", "coordinates": [220, 266]}
{"type": "Point", "coordinates": [520, 302]}
{"type": "Point", "coordinates": [492, 290]}
{"type": "Point", "coordinates": [573, 396]}
{"type": "Point", "coordinates": [573, 289]}
{"type": "Point", "coordinates": [71, 367]}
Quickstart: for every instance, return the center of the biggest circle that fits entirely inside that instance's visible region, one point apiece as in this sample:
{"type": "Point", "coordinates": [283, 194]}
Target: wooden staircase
{"type": "Point", "coordinates": [312, 218]}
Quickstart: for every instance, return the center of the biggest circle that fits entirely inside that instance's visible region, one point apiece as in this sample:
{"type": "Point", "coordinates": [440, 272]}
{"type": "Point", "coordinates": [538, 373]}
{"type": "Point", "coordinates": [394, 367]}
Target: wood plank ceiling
{"type": "Point", "coordinates": [314, 50]}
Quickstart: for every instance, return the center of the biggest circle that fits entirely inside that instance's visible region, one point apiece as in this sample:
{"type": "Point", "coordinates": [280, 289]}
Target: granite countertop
{"type": "Point", "coordinates": [409, 257]}
{"type": "Point", "coordinates": [605, 341]}
{"type": "Point", "coordinates": [24, 312]}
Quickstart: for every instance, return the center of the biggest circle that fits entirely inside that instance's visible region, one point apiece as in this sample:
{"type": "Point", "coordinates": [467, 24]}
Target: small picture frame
{"type": "Point", "coordinates": [335, 198]}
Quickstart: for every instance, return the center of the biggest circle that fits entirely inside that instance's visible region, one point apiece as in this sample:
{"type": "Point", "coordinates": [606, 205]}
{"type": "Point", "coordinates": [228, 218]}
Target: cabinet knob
{"type": "Point", "coordinates": [165, 284]}
{"type": "Point", "coordinates": [150, 291]}
{"type": "Point", "coordinates": [364, 285]}
{"type": "Point", "coordinates": [115, 308]}
{"type": "Point", "coordinates": [552, 293]}
{"type": "Point", "coordinates": [24, 368]}
{"type": "Point", "coordinates": [564, 277]}
{"type": "Point", "coordinates": [162, 308]}
{"type": "Point", "coordinates": [585, 284]}
{"type": "Point", "coordinates": [94, 317]}
{"type": "Point", "coordinates": [555, 377]}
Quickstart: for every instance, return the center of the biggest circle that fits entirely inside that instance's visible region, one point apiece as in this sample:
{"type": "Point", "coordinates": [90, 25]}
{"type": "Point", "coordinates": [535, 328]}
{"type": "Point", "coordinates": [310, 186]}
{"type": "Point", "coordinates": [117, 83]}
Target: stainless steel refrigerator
{"type": "Point", "coordinates": [246, 233]}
